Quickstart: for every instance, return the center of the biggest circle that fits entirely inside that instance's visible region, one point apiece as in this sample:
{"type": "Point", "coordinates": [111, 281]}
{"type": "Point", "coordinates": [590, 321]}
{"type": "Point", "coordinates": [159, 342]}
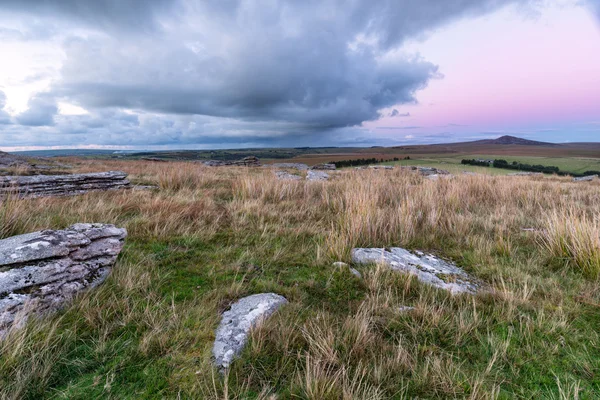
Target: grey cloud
{"type": "Point", "coordinates": [241, 60]}
{"type": "Point", "coordinates": [41, 111]}
{"type": "Point", "coordinates": [124, 15]}
{"type": "Point", "coordinates": [292, 69]}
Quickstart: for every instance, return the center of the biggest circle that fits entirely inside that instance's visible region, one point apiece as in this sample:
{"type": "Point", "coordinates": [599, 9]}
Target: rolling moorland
{"type": "Point", "coordinates": [572, 157]}
{"type": "Point", "coordinates": [206, 237]}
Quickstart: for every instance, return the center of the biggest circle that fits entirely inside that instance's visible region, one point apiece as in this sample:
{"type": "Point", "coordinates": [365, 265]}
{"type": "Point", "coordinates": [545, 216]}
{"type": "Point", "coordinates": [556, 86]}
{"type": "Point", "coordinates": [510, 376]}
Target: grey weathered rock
{"type": "Point", "coordinates": [236, 323]}
{"type": "Point", "coordinates": [298, 166]}
{"type": "Point", "coordinates": [381, 167]}
{"type": "Point", "coordinates": [285, 176]}
{"type": "Point", "coordinates": [585, 178]}
{"type": "Point", "coordinates": [61, 185]}
{"type": "Point", "coordinates": [250, 161]}
{"type": "Point", "coordinates": [427, 268]}
{"type": "Point", "coordinates": [41, 271]}
{"type": "Point", "coordinates": [404, 309]}
{"type": "Point", "coordinates": [11, 160]}
{"type": "Point", "coordinates": [326, 167]}
{"type": "Point", "coordinates": [317, 175]}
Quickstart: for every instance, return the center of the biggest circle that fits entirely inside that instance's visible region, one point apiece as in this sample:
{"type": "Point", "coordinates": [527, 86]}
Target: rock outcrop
{"type": "Point", "coordinates": [381, 167]}
{"type": "Point", "coordinates": [286, 176]}
{"type": "Point", "coordinates": [298, 166]}
{"type": "Point", "coordinates": [585, 178]}
{"type": "Point", "coordinates": [250, 161]}
{"type": "Point", "coordinates": [324, 167]}
{"type": "Point", "coordinates": [10, 160]}
{"type": "Point", "coordinates": [41, 271]}
{"type": "Point", "coordinates": [61, 185]}
{"type": "Point", "coordinates": [232, 333]}
{"type": "Point", "coordinates": [317, 175]}
{"type": "Point", "coordinates": [427, 268]}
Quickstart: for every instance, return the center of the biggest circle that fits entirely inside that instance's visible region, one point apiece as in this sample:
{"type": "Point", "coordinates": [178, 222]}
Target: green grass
{"type": "Point", "coordinates": [148, 331]}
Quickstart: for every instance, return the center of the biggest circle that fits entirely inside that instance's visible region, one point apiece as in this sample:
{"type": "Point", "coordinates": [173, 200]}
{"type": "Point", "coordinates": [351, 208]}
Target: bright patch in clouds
{"type": "Point", "coordinates": [186, 74]}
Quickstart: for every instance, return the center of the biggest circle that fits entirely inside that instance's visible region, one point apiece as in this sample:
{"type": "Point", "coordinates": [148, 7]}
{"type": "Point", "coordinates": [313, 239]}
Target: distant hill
{"type": "Point", "coordinates": [505, 140]}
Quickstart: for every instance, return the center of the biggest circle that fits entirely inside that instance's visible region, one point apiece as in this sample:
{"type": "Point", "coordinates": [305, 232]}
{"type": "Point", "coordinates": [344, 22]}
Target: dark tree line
{"type": "Point", "coordinates": [362, 161]}
{"type": "Point", "coordinates": [526, 167]}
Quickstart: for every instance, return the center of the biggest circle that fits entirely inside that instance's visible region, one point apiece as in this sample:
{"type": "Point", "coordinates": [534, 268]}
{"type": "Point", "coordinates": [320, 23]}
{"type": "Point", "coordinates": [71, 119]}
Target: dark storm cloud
{"type": "Point", "coordinates": [41, 111]}
{"type": "Point", "coordinates": [289, 68]}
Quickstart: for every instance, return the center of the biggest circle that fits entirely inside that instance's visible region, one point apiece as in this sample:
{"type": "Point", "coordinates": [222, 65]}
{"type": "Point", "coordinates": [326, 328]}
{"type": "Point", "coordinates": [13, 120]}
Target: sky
{"type": "Point", "coordinates": [199, 74]}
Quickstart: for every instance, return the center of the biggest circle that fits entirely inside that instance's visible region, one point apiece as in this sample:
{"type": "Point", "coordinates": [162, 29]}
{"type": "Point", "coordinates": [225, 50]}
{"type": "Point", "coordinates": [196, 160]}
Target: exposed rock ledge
{"type": "Point", "coordinates": [235, 326]}
{"type": "Point", "coordinates": [62, 185]}
{"type": "Point", "coordinates": [427, 268]}
{"type": "Point", "coordinates": [41, 271]}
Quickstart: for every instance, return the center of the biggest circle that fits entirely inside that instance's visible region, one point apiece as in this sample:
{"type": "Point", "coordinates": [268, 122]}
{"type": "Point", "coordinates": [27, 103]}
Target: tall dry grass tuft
{"type": "Point", "coordinates": [573, 238]}
{"type": "Point", "coordinates": [13, 216]}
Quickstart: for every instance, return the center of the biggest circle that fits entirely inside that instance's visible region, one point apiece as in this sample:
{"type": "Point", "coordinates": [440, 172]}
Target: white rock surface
{"type": "Point", "coordinates": [427, 268]}
{"type": "Point", "coordinates": [41, 271]}
{"type": "Point", "coordinates": [246, 313]}
{"type": "Point", "coordinates": [313, 175]}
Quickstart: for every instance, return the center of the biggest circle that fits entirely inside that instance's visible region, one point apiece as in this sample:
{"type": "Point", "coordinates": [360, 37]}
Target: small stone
{"type": "Point", "coordinates": [340, 264]}
{"type": "Point", "coordinates": [403, 309]}
{"type": "Point", "coordinates": [236, 323]}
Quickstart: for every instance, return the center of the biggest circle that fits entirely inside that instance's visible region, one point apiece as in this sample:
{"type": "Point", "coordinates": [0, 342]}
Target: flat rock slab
{"type": "Point", "coordinates": [427, 268]}
{"type": "Point", "coordinates": [246, 313]}
{"type": "Point", "coordinates": [286, 176]}
{"type": "Point", "coordinates": [41, 271]}
{"type": "Point", "coordinates": [62, 185]}
{"type": "Point", "coordinates": [317, 175]}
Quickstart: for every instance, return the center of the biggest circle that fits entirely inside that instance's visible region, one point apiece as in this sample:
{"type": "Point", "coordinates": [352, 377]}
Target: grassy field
{"type": "Point", "coordinates": [209, 236]}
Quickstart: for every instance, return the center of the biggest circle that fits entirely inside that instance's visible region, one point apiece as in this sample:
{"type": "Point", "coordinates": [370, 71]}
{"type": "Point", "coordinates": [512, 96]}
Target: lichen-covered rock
{"type": "Point", "coordinates": [286, 176]}
{"type": "Point", "coordinates": [246, 313]}
{"type": "Point", "coordinates": [427, 268]}
{"type": "Point", "coordinates": [41, 271]}
{"type": "Point", "coordinates": [317, 176]}
{"type": "Point", "coordinates": [61, 185]}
